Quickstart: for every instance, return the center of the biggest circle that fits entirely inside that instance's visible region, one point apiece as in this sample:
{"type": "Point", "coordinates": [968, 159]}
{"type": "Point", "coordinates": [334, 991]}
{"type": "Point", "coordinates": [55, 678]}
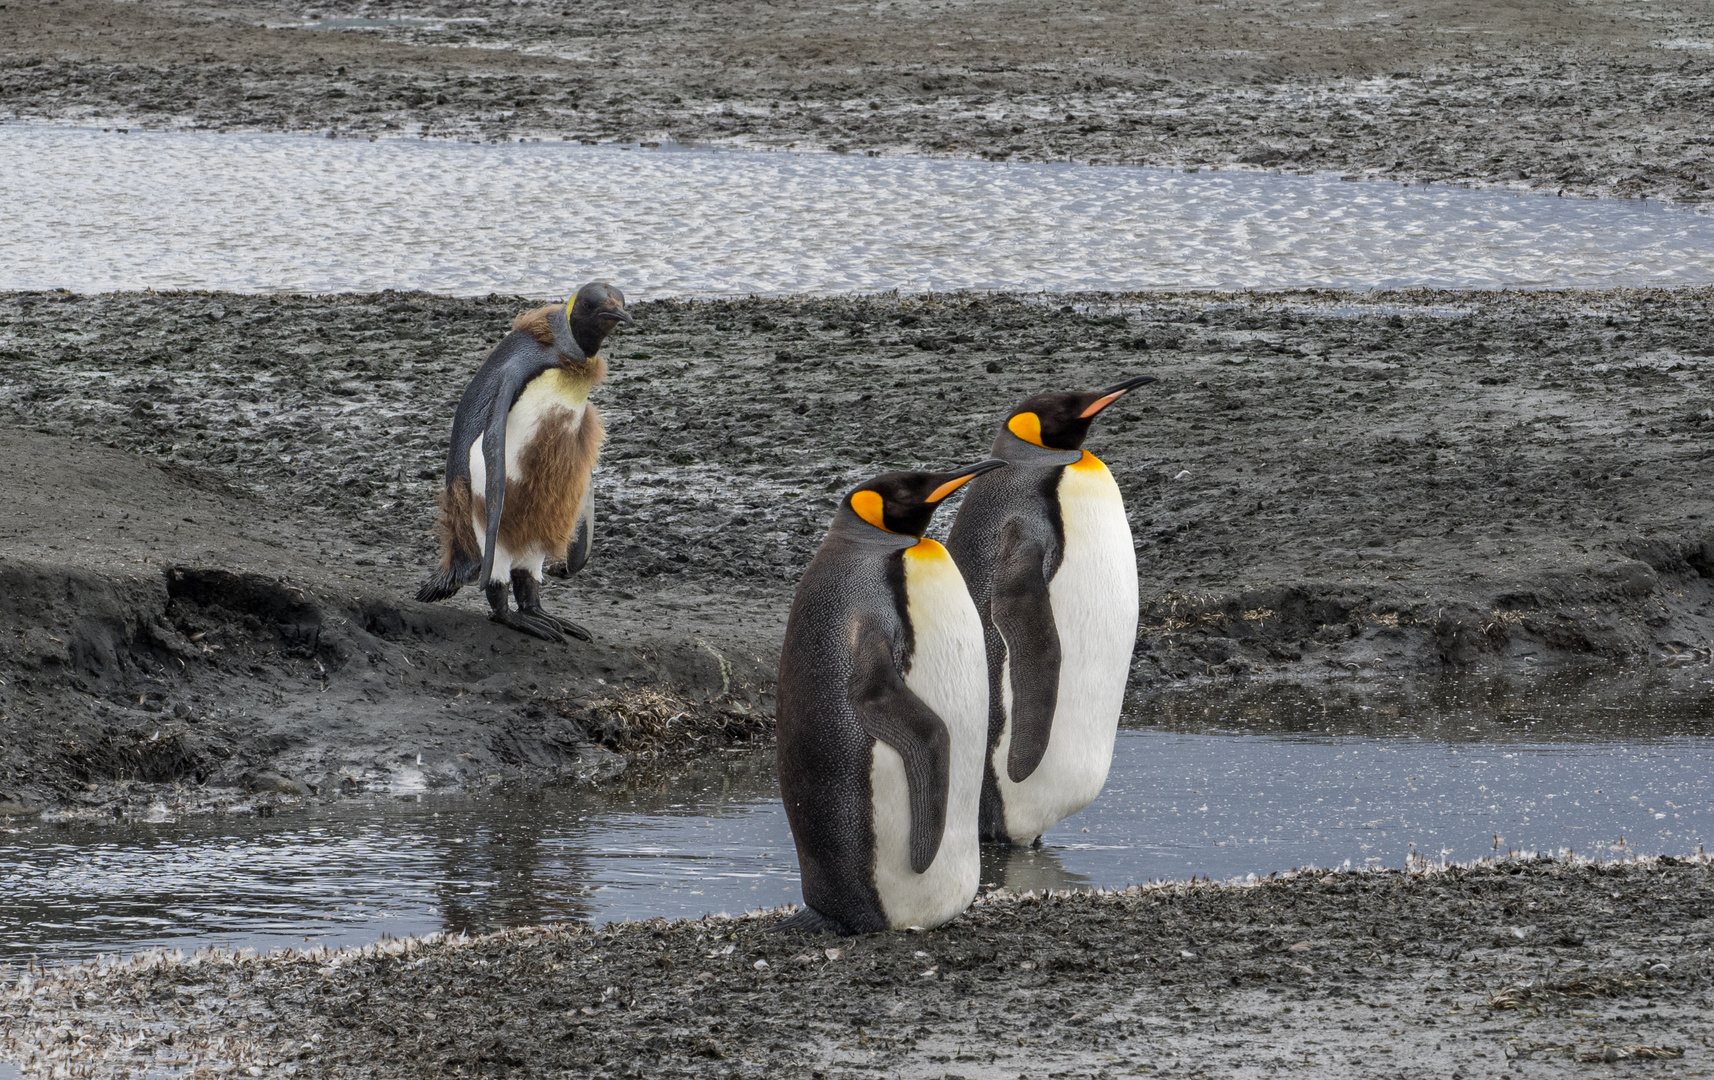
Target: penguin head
{"type": "Point", "coordinates": [1061, 421]}
{"type": "Point", "coordinates": [904, 502]}
{"type": "Point", "coordinates": [593, 313]}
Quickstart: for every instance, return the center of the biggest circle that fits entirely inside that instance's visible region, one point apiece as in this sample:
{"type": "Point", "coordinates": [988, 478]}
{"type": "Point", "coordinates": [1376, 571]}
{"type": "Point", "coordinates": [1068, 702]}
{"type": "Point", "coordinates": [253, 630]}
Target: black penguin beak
{"type": "Point", "coordinates": [952, 481]}
{"type": "Point", "coordinates": [1114, 393]}
{"type": "Point", "coordinates": [618, 315]}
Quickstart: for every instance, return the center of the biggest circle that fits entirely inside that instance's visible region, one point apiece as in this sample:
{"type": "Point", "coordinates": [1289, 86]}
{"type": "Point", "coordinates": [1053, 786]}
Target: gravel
{"type": "Point", "coordinates": [1526, 966]}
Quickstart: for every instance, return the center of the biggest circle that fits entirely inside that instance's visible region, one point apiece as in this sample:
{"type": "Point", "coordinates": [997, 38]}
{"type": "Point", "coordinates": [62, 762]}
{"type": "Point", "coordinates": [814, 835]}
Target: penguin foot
{"type": "Point", "coordinates": [810, 921]}
{"type": "Point", "coordinates": [525, 623]}
{"type": "Point", "coordinates": [529, 593]}
{"type": "Point", "coordinates": [564, 626]}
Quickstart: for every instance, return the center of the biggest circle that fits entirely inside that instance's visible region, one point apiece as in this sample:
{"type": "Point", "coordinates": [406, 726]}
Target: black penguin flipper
{"type": "Point", "coordinates": [512, 366]}
{"type": "Point", "coordinates": [494, 480]}
{"type": "Point", "coordinates": [1023, 614]}
{"type": "Point", "coordinates": [891, 712]}
{"type": "Point", "coordinates": [582, 535]}
{"type": "Point", "coordinates": [810, 921]}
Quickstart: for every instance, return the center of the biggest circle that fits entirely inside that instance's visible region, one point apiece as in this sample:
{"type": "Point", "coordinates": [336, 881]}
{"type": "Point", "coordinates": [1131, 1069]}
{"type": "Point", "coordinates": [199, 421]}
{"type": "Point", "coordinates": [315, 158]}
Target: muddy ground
{"type": "Point", "coordinates": [1520, 968]}
{"type": "Point", "coordinates": [216, 507]}
{"type": "Point", "coordinates": [1602, 97]}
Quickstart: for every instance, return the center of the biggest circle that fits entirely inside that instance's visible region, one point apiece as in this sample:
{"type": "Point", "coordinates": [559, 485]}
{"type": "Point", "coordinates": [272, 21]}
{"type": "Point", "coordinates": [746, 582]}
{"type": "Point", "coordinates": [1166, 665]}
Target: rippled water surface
{"type": "Point", "coordinates": [89, 211]}
{"type": "Point", "coordinates": [1221, 787]}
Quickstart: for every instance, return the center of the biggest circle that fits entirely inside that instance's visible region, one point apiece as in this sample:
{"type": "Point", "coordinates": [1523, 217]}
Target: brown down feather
{"type": "Point", "coordinates": [454, 528]}
{"type": "Point", "coordinates": [535, 323]}
{"type": "Point", "coordinates": [541, 507]}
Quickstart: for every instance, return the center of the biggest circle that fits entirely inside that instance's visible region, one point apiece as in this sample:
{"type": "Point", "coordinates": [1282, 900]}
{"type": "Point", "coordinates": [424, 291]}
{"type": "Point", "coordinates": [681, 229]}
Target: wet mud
{"type": "Point", "coordinates": [1608, 97]}
{"type": "Point", "coordinates": [216, 508]}
{"type": "Point", "coordinates": [1521, 967]}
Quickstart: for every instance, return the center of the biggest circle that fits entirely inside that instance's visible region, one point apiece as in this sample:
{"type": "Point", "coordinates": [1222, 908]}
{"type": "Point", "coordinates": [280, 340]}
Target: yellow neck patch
{"type": "Point", "coordinates": [927, 549]}
{"type": "Point", "coordinates": [1026, 426]}
{"type": "Point", "coordinates": [1088, 462]}
{"type": "Point", "coordinates": [565, 385]}
{"type": "Point", "coordinates": [869, 506]}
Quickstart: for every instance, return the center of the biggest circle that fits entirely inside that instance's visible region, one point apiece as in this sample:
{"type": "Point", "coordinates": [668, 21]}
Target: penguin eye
{"type": "Point", "coordinates": [869, 506]}
{"type": "Point", "coordinates": [1026, 426]}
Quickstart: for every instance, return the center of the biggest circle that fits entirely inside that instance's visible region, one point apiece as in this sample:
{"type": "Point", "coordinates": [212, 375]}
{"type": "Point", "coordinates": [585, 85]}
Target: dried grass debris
{"type": "Point", "coordinates": [650, 721]}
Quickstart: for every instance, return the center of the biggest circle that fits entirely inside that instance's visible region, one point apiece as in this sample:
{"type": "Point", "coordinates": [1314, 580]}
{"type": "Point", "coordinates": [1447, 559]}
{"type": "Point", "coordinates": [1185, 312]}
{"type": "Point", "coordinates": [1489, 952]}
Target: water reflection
{"type": "Point", "coordinates": [1220, 782]}
{"type": "Point", "coordinates": [1028, 869]}
{"type": "Point", "coordinates": [345, 873]}
{"type": "Point", "coordinates": [503, 873]}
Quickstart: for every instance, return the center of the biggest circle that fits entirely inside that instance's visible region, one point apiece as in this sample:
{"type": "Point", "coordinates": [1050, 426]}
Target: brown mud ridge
{"type": "Point", "coordinates": [214, 509]}
{"type": "Point", "coordinates": [1605, 97]}
{"type": "Point", "coordinates": [1520, 967]}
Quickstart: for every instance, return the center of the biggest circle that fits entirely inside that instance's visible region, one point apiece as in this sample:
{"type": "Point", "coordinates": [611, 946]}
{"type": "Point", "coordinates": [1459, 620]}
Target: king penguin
{"type": "Point", "coordinates": [524, 443]}
{"type": "Point", "coordinates": [883, 715]}
{"type": "Point", "coordinates": [1046, 548]}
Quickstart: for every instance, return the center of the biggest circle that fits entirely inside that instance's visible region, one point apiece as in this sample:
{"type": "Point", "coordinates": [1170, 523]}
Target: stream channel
{"type": "Point", "coordinates": [1222, 784]}
{"type": "Point", "coordinates": [95, 211]}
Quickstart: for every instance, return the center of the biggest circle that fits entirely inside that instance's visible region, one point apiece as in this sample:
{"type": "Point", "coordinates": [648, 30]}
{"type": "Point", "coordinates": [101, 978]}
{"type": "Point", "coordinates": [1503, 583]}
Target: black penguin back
{"type": "Point", "coordinates": [1027, 494]}
{"type": "Point", "coordinates": [824, 753]}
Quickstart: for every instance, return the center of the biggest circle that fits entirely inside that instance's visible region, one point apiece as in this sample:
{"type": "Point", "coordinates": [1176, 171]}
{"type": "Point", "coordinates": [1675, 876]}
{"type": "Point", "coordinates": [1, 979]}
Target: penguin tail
{"type": "Point", "coordinates": [810, 921]}
{"type": "Point", "coordinates": [439, 587]}
{"type": "Point", "coordinates": [453, 575]}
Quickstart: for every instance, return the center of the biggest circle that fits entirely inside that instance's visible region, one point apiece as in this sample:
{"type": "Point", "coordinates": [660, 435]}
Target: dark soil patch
{"type": "Point", "coordinates": [219, 504]}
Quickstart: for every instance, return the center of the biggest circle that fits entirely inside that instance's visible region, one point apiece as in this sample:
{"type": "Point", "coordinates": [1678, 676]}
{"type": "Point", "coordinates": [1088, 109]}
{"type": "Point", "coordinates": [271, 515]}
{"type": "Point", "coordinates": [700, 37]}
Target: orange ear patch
{"type": "Point", "coordinates": [869, 506]}
{"type": "Point", "coordinates": [1026, 426]}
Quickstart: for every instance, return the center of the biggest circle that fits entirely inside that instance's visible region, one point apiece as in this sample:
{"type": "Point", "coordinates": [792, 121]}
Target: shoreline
{"type": "Point", "coordinates": [1522, 963]}
{"type": "Point", "coordinates": [1532, 501]}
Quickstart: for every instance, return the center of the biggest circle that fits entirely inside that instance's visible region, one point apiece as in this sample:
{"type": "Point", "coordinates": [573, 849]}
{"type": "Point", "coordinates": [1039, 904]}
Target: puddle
{"type": "Point", "coordinates": [96, 211]}
{"type": "Point", "coordinates": [1227, 806]}
{"type": "Point", "coordinates": [1222, 785]}
{"type": "Point", "coordinates": [346, 873]}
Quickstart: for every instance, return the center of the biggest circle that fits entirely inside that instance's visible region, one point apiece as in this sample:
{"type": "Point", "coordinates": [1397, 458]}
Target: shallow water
{"type": "Point", "coordinates": [1220, 786]}
{"type": "Point", "coordinates": [92, 211]}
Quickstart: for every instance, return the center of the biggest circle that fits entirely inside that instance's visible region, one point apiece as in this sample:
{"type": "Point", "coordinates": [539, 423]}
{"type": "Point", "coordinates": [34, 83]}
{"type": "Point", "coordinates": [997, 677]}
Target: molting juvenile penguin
{"type": "Point", "coordinates": [524, 442]}
{"type": "Point", "coordinates": [883, 716]}
{"type": "Point", "coordinates": [1047, 551]}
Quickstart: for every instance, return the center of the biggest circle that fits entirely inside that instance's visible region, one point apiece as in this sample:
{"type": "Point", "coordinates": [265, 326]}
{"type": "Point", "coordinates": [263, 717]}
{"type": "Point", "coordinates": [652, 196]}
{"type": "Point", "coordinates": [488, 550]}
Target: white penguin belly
{"type": "Point", "coordinates": [550, 393]}
{"type": "Point", "coordinates": [1094, 603]}
{"type": "Point", "coordinates": [948, 674]}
